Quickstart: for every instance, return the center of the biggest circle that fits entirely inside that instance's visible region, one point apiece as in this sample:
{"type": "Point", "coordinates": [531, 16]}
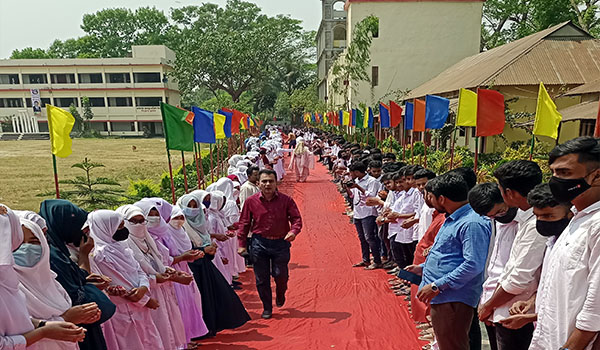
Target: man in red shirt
{"type": "Point", "coordinates": [274, 220]}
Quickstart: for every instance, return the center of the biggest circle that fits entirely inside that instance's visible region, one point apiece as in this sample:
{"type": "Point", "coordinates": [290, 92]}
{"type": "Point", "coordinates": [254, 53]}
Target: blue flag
{"type": "Point", "coordinates": [204, 126]}
{"type": "Point", "coordinates": [341, 117]}
{"type": "Point", "coordinates": [371, 118]}
{"type": "Point", "coordinates": [313, 118]}
{"type": "Point", "coordinates": [353, 117]}
{"type": "Point", "coordinates": [228, 119]}
{"type": "Point", "coordinates": [409, 114]}
{"type": "Point", "coordinates": [436, 111]}
{"type": "Point", "coordinates": [384, 115]}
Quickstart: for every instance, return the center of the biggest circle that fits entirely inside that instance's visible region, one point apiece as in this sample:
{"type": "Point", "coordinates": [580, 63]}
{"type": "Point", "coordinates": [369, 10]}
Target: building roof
{"type": "Point", "coordinates": [587, 88]}
{"type": "Point", "coordinates": [348, 2]}
{"type": "Point", "coordinates": [584, 110]}
{"type": "Point", "coordinates": [560, 55]}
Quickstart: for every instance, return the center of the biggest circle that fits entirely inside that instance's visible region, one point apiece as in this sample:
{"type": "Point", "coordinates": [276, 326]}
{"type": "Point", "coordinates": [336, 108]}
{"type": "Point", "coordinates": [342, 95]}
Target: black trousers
{"type": "Point", "coordinates": [513, 339]}
{"type": "Point", "coordinates": [270, 258]}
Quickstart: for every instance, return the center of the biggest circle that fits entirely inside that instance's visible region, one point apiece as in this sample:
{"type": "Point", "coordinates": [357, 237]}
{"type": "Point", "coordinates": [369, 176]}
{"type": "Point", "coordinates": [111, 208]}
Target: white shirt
{"type": "Point", "coordinates": [369, 184]}
{"type": "Point", "coordinates": [425, 216]}
{"type": "Point", "coordinates": [569, 292]}
{"type": "Point", "coordinates": [521, 274]}
{"type": "Point", "coordinates": [389, 203]}
{"type": "Point", "coordinates": [505, 236]}
{"type": "Point", "coordinates": [409, 203]}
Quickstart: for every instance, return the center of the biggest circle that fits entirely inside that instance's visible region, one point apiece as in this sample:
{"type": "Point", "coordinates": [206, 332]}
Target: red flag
{"type": "Point", "coordinates": [419, 117]}
{"type": "Point", "coordinates": [396, 114]}
{"type": "Point", "coordinates": [490, 113]}
{"type": "Point", "coordinates": [235, 119]}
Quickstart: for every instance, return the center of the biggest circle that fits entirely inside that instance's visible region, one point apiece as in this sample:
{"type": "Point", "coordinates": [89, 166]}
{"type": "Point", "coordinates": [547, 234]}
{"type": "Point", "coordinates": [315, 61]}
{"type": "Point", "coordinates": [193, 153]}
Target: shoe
{"type": "Point", "coordinates": [374, 266]}
{"type": "Point", "coordinates": [267, 314]}
{"type": "Point", "coordinates": [360, 264]}
{"type": "Point", "coordinates": [236, 287]}
{"type": "Point", "coordinates": [428, 337]}
{"type": "Point", "coordinates": [236, 283]}
{"type": "Point", "coordinates": [280, 301]}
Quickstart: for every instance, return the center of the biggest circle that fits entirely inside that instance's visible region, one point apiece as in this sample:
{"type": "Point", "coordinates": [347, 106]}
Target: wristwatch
{"type": "Point", "coordinates": [561, 348]}
{"type": "Point", "coordinates": [434, 287]}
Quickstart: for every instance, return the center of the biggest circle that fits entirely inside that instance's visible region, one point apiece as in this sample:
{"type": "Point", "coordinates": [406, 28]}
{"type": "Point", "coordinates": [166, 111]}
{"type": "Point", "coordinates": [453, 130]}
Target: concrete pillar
{"type": "Point", "coordinates": [14, 124]}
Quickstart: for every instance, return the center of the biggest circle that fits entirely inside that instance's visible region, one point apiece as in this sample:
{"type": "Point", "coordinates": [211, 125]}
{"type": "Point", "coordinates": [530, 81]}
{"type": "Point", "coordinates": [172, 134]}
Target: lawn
{"type": "Point", "coordinates": [26, 166]}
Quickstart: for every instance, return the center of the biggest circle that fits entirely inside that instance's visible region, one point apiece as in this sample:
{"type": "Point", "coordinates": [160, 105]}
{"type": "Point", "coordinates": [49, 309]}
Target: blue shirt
{"type": "Point", "coordinates": [456, 262]}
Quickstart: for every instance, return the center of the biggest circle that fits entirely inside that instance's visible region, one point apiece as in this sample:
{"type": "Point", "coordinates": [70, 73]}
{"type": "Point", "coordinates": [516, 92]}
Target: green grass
{"type": "Point", "coordinates": [26, 166]}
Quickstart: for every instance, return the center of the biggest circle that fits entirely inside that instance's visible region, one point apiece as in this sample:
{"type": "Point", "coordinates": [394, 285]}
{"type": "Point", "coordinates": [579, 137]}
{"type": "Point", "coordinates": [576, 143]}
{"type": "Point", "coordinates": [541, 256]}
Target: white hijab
{"type": "Point", "coordinates": [144, 248]}
{"type": "Point", "coordinates": [32, 216]}
{"type": "Point", "coordinates": [46, 298]}
{"type": "Point", "coordinates": [115, 255]}
{"type": "Point", "coordinates": [180, 237]}
{"type": "Point", "coordinates": [224, 185]}
{"type": "Point", "coordinates": [15, 318]}
{"type": "Point", "coordinates": [216, 216]}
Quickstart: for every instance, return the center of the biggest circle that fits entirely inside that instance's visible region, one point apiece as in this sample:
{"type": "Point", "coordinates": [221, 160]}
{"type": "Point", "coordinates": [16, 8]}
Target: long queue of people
{"type": "Point", "coordinates": [519, 255]}
{"type": "Point", "coordinates": [148, 275]}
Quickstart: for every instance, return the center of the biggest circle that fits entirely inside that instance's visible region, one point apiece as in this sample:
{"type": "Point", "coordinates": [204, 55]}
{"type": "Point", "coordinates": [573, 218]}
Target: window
{"type": "Point", "coordinates": [9, 79]}
{"type": "Point", "coordinates": [462, 131]}
{"type": "Point", "coordinates": [374, 76]}
{"type": "Point", "coordinates": [35, 79]}
{"type": "Point", "coordinates": [65, 101]}
{"type": "Point", "coordinates": [339, 37]}
{"type": "Point", "coordinates": [45, 101]}
{"type": "Point", "coordinates": [146, 77]}
{"type": "Point", "coordinates": [96, 102]}
{"type": "Point", "coordinates": [90, 78]}
{"type": "Point", "coordinates": [62, 78]}
{"type": "Point", "coordinates": [119, 78]}
{"type": "Point", "coordinates": [473, 131]}
{"type": "Point", "coordinates": [120, 102]}
{"type": "Point", "coordinates": [11, 102]}
{"type": "Point", "coordinates": [122, 126]}
{"type": "Point", "coordinates": [586, 127]}
{"type": "Point", "coordinates": [99, 126]}
{"type": "Point", "coordinates": [148, 101]}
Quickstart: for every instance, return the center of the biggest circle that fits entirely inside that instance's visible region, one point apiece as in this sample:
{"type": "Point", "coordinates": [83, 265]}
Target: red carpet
{"type": "Point", "coordinates": [330, 305]}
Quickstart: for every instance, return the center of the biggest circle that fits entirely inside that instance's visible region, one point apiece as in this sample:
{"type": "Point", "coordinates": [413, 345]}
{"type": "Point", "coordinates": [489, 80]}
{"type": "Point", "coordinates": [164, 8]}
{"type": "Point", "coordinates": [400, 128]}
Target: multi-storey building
{"type": "Point", "coordinates": [331, 40]}
{"type": "Point", "coordinates": [124, 93]}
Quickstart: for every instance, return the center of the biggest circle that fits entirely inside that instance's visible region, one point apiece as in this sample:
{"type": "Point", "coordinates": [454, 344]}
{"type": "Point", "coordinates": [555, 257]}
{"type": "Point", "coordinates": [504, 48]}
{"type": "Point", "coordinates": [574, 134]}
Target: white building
{"type": "Point", "coordinates": [416, 41]}
{"type": "Point", "coordinates": [125, 93]}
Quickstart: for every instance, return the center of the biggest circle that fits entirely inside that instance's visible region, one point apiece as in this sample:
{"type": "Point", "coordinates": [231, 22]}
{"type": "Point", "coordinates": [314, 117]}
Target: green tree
{"type": "Point", "coordinates": [30, 52]}
{"type": "Point", "coordinates": [283, 107]}
{"type": "Point", "coordinates": [88, 115]}
{"type": "Point", "coordinates": [79, 126]}
{"type": "Point", "coordinates": [232, 48]}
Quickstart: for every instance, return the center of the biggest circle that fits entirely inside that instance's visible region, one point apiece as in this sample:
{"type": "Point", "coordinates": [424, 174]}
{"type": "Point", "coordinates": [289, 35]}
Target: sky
{"type": "Point", "coordinates": [37, 23]}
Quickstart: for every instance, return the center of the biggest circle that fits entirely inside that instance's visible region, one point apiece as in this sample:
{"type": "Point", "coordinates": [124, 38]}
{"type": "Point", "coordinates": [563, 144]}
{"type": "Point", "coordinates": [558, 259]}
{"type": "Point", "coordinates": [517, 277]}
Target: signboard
{"type": "Point", "coordinates": [36, 102]}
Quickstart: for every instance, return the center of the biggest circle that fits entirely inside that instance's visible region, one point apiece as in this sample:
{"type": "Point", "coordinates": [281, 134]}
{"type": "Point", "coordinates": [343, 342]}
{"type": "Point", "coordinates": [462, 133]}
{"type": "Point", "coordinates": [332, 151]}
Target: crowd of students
{"type": "Point", "coordinates": [517, 254]}
{"type": "Point", "coordinates": [148, 275]}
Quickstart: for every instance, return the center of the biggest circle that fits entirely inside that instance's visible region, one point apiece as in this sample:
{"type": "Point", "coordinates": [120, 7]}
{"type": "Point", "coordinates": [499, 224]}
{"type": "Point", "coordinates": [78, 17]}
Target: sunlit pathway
{"type": "Point", "coordinates": [330, 305]}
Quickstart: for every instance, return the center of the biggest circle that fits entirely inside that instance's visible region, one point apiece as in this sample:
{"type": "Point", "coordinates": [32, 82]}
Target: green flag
{"type": "Point", "coordinates": [179, 132]}
{"type": "Point", "coordinates": [360, 119]}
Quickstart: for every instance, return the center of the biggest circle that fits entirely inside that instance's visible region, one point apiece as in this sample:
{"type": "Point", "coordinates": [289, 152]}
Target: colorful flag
{"type": "Point", "coordinates": [466, 115]}
{"type": "Point", "coordinates": [346, 118]}
{"type": "Point", "coordinates": [384, 115]}
{"type": "Point", "coordinates": [228, 121]}
{"type": "Point", "coordinates": [60, 124]}
{"type": "Point", "coordinates": [220, 120]}
{"type": "Point", "coordinates": [490, 113]}
{"type": "Point", "coordinates": [547, 118]}
{"type": "Point", "coordinates": [179, 134]}
{"type": "Point", "coordinates": [236, 117]}
{"type": "Point", "coordinates": [360, 119]}
{"type": "Point", "coordinates": [419, 116]}
{"type": "Point", "coordinates": [371, 119]}
{"type": "Point", "coordinates": [395, 114]}
{"type": "Point", "coordinates": [353, 117]}
{"type": "Point", "coordinates": [436, 111]}
{"type": "Point", "coordinates": [204, 126]}
{"type": "Point", "coordinates": [409, 115]}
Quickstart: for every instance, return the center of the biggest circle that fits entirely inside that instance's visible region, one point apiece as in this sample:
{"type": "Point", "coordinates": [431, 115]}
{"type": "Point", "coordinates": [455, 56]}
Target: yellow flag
{"type": "Point", "coordinates": [547, 117]}
{"type": "Point", "coordinates": [60, 124]}
{"type": "Point", "coordinates": [219, 125]}
{"type": "Point", "coordinates": [204, 149]}
{"type": "Point", "coordinates": [366, 118]}
{"type": "Point", "coordinates": [346, 117]}
{"type": "Point", "coordinates": [467, 108]}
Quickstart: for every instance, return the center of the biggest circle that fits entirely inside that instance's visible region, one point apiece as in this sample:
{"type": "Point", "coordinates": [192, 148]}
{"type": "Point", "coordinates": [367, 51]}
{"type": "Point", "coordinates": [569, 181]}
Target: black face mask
{"type": "Point", "coordinates": [552, 228]}
{"type": "Point", "coordinates": [565, 190]}
{"type": "Point", "coordinates": [509, 216]}
{"type": "Point", "coordinates": [121, 234]}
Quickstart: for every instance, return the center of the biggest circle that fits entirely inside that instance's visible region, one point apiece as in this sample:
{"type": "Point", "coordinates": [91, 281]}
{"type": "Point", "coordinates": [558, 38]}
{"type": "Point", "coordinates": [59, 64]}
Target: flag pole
{"type": "Point", "coordinates": [197, 166]}
{"type": "Point", "coordinates": [412, 146]}
{"type": "Point", "coordinates": [425, 148]}
{"type": "Point", "coordinates": [171, 176]}
{"type": "Point", "coordinates": [183, 168]}
{"type": "Point", "coordinates": [212, 169]}
{"type": "Point", "coordinates": [476, 153]}
{"type": "Point", "coordinates": [403, 142]}
{"type": "Point", "coordinates": [452, 144]}
{"type": "Point", "coordinates": [532, 147]}
{"type": "Point", "coordinates": [55, 176]}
